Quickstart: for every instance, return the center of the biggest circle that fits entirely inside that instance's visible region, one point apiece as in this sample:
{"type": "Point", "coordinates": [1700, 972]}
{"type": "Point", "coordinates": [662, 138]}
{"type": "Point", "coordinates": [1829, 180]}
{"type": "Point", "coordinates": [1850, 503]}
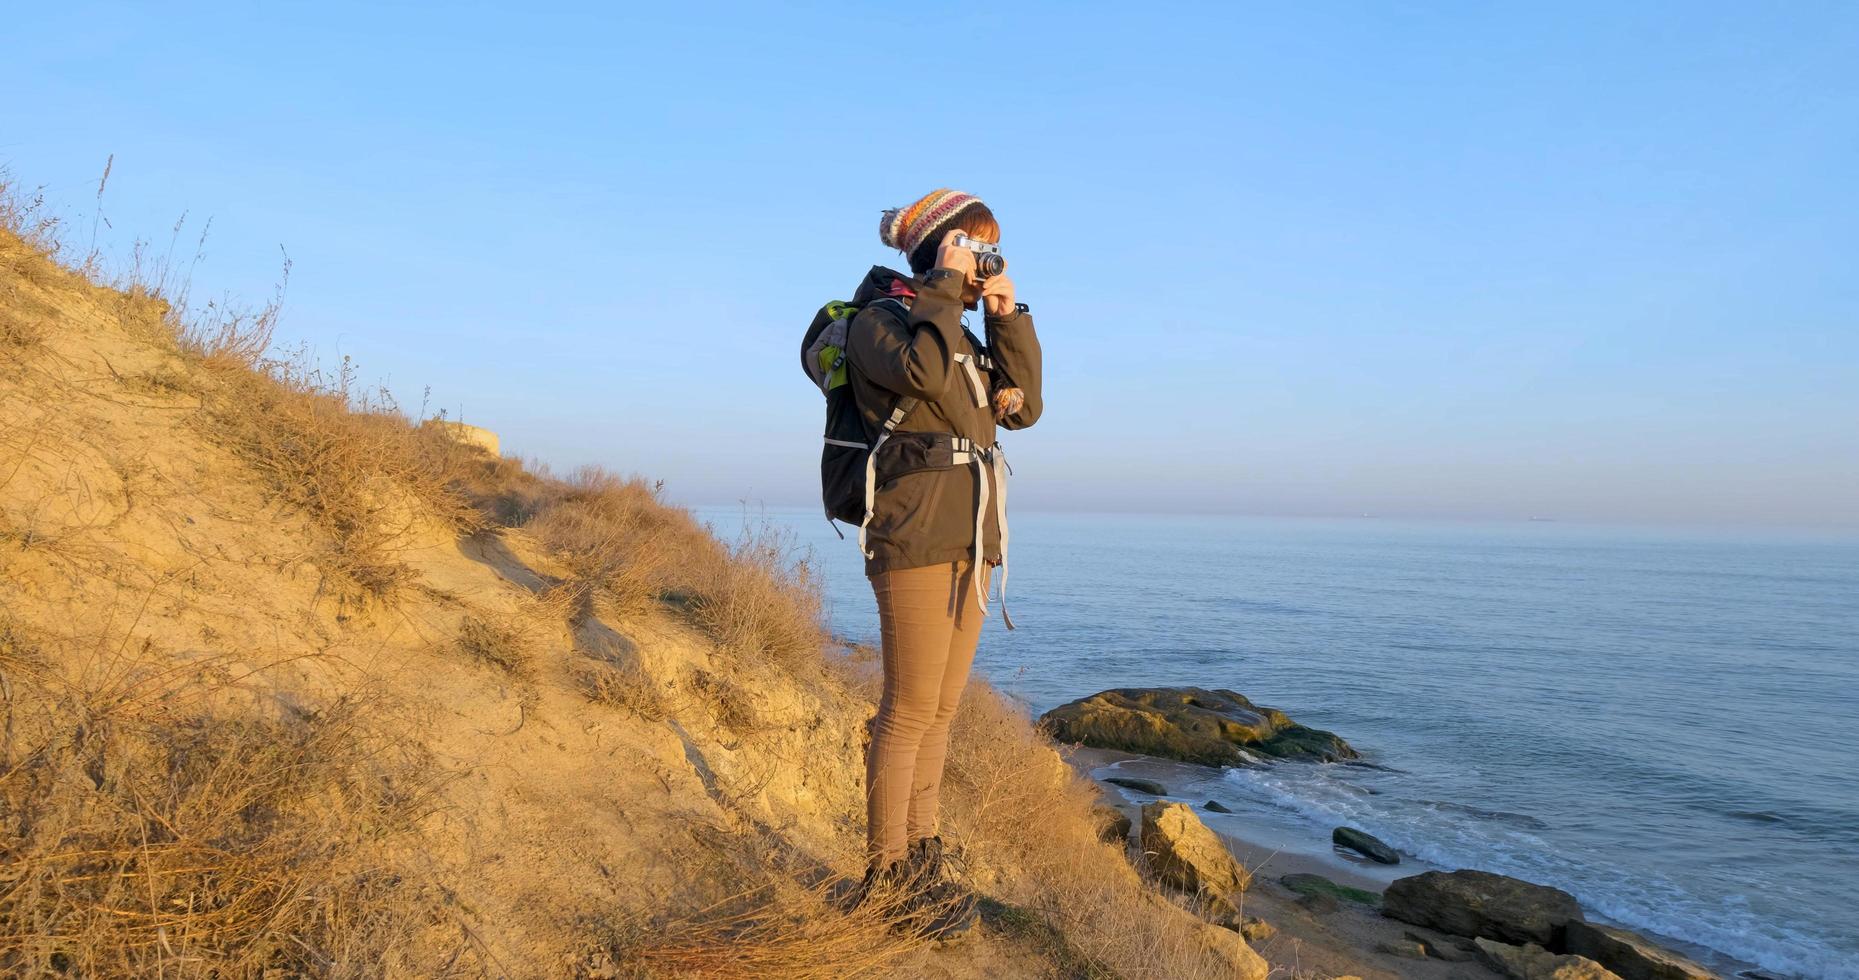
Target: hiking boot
{"type": "Point", "coordinates": [890, 879]}
{"type": "Point", "coordinates": [924, 862]}
{"type": "Point", "coordinates": [940, 911]}
{"type": "Point", "coordinates": [938, 907]}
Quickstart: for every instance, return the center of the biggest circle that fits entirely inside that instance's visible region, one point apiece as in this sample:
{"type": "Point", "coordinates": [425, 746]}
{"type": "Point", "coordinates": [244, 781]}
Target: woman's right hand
{"type": "Point", "coordinates": [955, 257]}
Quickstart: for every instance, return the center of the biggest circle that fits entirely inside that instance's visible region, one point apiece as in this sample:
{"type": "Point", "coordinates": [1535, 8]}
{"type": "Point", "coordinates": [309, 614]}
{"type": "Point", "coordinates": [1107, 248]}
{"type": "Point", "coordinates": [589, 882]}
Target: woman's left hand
{"type": "Point", "coordinates": [997, 295]}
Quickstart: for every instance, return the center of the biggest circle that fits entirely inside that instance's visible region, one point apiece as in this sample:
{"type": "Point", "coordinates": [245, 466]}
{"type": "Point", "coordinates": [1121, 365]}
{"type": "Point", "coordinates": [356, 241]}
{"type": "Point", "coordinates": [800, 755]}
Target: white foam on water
{"type": "Point", "coordinates": [1452, 838]}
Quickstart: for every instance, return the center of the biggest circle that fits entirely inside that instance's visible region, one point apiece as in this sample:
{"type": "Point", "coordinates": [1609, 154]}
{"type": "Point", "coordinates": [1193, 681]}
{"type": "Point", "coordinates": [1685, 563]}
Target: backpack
{"type": "Point", "coordinates": [848, 453]}
{"type": "Point", "coordinates": [849, 464]}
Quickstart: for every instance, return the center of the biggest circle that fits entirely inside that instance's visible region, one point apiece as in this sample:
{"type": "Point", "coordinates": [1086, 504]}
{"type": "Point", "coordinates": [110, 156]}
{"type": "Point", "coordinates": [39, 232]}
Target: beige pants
{"type": "Point", "coordinates": [930, 620]}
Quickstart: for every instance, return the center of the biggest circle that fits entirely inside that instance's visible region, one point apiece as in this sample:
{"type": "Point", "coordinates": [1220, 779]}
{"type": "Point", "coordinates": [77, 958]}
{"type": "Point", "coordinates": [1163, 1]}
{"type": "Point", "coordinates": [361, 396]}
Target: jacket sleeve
{"type": "Point", "coordinates": [911, 356]}
{"type": "Point", "coordinates": [1015, 348]}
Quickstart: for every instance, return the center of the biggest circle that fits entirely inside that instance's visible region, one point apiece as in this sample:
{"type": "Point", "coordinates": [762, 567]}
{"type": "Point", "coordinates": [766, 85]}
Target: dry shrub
{"type": "Point", "coordinates": [611, 534]}
{"type": "Point", "coordinates": [146, 826]}
{"type": "Point", "coordinates": [622, 684]}
{"type": "Point", "coordinates": [23, 213]}
{"type": "Point", "coordinates": [785, 917]}
{"type": "Point", "coordinates": [725, 700]}
{"type": "Point", "coordinates": [758, 599]}
{"type": "Point", "coordinates": [500, 645]}
{"type": "Point", "coordinates": [1000, 771]}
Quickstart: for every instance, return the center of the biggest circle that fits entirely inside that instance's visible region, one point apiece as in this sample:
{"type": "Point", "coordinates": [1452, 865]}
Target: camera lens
{"type": "Point", "coordinates": [989, 264]}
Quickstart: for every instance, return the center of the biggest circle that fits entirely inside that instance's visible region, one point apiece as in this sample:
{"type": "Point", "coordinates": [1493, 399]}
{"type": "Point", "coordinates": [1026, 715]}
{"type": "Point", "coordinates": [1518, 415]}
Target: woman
{"type": "Point", "coordinates": [937, 524]}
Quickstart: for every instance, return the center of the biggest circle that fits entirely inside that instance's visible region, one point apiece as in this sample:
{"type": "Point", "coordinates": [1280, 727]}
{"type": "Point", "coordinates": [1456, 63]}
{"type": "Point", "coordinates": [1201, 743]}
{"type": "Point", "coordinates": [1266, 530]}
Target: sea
{"type": "Point", "coordinates": [1664, 723]}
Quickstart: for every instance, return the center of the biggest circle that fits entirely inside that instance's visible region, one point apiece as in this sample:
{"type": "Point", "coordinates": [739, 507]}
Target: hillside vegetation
{"type": "Point", "coordinates": [291, 684]}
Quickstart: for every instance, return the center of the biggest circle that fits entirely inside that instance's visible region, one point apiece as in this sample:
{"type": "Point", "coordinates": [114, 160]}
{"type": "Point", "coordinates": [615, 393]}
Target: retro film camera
{"type": "Point", "coordinates": [988, 260]}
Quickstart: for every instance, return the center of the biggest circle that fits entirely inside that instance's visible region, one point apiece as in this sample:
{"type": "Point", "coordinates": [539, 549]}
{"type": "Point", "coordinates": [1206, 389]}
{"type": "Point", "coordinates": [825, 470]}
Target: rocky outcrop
{"type": "Point", "coordinates": [1456, 950]}
{"type": "Point", "coordinates": [1241, 962]}
{"type": "Point", "coordinates": [1188, 856]}
{"type": "Point", "coordinates": [1482, 904]}
{"type": "Point", "coordinates": [1630, 955]}
{"type": "Point", "coordinates": [1149, 786]}
{"type": "Point", "coordinates": [470, 435]}
{"type": "Point", "coordinates": [1216, 727]}
{"type": "Point", "coordinates": [1365, 844]}
{"type": "Point", "coordinates": [1533, 962]}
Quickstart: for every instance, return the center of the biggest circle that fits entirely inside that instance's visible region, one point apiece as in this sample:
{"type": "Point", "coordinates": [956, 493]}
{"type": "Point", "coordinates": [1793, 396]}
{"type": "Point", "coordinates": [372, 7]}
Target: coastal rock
{"type": "Point", "coordinates": [1310, 885]}
{"type": "Point", "coordinates": [1365, 844]}
{"type": "Point", "coordinates": [1215, 806]}
{"type": "Point", "coordinates": [1113, 825]}
{"type": "Point", "coordinates": [1319, 903]}
{"type": "Point", "coordinates": [1193, 724]}
{"type": "Point", "coordinates": [1241, 961]}
{"type": "Point", "coordinates": [1255, 929]}
{"type": "Point", "coordinates": [1442, 949]}
{"type": "Point", "coordinates": [1533, 962]}
{"type": "Point", "coordinates": [1406, 949]}
{"type": "Point", "coordinates": [1251, 927]}
{"type": "Point", "coordinates": [1482, 904]}
{"type": "Point", "coordinates": [1630, 955]}
{"type": "Point", "coordinates": [1149, 786]}
{"type": "Point", "coordinates": [1185, 854]}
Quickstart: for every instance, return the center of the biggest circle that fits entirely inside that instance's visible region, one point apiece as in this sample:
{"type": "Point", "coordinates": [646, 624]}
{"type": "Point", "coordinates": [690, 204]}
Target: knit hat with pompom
{"type": "Point", "coordinates": [907, 228]}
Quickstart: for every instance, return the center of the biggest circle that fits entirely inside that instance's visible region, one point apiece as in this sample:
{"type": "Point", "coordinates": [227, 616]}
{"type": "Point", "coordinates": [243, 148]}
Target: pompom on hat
{"type": "Point", "coordinates": [907, 228]}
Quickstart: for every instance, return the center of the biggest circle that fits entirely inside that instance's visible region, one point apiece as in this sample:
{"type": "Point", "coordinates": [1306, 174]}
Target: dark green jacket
{"type": "Point", "coordinates": [928, 517]}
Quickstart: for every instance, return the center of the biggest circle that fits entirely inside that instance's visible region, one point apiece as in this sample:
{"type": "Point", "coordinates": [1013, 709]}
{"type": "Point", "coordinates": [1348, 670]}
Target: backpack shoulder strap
{"type": "Point", "coordinates": [904, 405]}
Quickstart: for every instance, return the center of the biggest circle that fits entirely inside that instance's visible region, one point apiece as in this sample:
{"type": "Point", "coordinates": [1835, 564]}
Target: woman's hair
{"type": "Point", "coordinates": [918, 230]}
{"type": "Point", "coordinates": [976, 220]}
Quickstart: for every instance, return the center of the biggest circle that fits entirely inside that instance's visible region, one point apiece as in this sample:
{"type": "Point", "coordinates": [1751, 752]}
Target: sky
{"type": "Point", "coordinates": [1583, 261]}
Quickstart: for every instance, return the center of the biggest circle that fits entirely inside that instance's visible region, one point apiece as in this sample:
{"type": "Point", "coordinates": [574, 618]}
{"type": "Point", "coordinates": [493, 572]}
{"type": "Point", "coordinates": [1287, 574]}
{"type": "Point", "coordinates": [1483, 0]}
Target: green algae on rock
{"type": "Point", "coordinates": [1192, 724]}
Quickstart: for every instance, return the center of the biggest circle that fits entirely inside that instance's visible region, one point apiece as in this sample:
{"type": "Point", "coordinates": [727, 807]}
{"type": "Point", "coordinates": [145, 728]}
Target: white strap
{"type": "Point", "coordinates": [845, 442]}
{"type": "Point", "coordinates": [975, 386]}
{"type": "Point", "coordinates": [871, 489]}
{"type": "Point", "coordinates": [1000, 516]}
{"type": "Point", "coordinates": [981, 515]}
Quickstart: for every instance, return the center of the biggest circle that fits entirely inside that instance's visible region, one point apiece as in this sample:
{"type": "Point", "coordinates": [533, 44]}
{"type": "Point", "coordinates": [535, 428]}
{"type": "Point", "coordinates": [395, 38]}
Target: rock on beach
{"type": "Point", "coordinates": [1211, 727]}
{"type": "Point", "coordinates": [1629, 955]}
{"type": "Point", "coordinates": [1533, 962]}
{"type": "Point", "coordinates": [1482, 904]}
{"type": "Point", "coordinates": [1364, 843]}
{"type": "Point", "coordinates": [1188, 856]}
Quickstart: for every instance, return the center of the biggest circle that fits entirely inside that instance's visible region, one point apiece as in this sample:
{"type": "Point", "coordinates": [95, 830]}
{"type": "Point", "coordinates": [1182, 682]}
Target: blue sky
{"type": "Point", "coordinates": [1588, 260]}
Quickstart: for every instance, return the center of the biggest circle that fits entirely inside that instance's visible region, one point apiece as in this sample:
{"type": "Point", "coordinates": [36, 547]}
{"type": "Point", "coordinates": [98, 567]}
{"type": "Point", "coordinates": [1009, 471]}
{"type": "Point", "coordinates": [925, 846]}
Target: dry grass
{"type": "Point", "coordinates": [352, 463]}
{"type": "Point", "coordinates": [622, 684]}
{"type": "Point", "coordinates": [501, 645]}
{"type": "Point", "coordinates": [784, 917]}
{"type": "Point", "coordinates": [146, 826]}
{"type": "Point", "coordinates": [999, 771]}
{"type": "Point", "coordinates": [613, 536]}
{"type": "Point", "coordinates": [758, 600]}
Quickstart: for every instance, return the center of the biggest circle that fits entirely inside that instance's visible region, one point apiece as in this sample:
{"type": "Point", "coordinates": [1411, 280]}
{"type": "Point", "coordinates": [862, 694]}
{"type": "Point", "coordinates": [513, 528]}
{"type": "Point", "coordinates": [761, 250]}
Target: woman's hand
{"type": "Point", "coordinates": [997, 295]}
{"type": "Point", "coordinates": [1008, 401]}
{"type": "Point", "coordinates": [952, 256]}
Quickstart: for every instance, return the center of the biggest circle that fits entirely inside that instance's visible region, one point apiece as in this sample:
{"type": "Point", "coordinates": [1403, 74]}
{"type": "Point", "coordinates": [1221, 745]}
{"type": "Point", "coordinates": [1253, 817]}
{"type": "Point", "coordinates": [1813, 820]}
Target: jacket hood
{"type": "Point", "coordinates": [881, 282]}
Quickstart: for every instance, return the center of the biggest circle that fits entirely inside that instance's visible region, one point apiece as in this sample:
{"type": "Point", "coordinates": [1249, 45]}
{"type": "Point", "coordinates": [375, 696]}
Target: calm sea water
{"type": "Point", "coordinates": [1664, 724]}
